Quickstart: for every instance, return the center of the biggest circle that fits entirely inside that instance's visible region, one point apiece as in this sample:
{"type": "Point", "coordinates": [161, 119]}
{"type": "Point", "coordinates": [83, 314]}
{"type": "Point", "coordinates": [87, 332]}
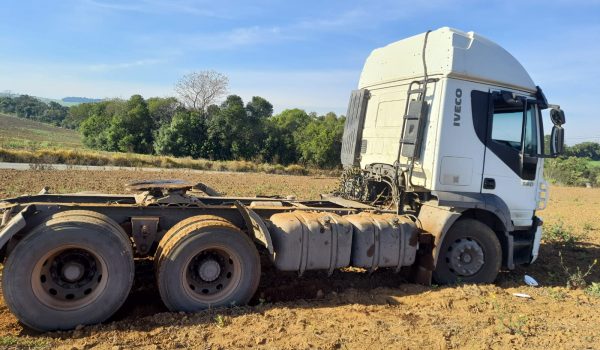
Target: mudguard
{"type": "Point", "coordinates": [15, 225]}
{"type": "Point", "coordinates": [256, 226]}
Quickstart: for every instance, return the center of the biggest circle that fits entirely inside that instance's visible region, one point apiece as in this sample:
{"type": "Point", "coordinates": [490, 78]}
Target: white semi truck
{"type": "Point", "coordinates": [443, 173]}
{"type": "Point", "coordinates": [449, 124]}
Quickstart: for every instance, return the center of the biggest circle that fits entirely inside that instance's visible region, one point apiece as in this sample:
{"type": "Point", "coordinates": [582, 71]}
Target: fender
{"type": "Point", "coordinates": [475, 200]}
{"type": "Point", "coordinates": [256, 226]}
{"type": "Point", "coordinates": [437, 217]}
{"type": "Point", "coordinates": [15, 225]}
{"type": "Point", "coordinates": [436, 221]}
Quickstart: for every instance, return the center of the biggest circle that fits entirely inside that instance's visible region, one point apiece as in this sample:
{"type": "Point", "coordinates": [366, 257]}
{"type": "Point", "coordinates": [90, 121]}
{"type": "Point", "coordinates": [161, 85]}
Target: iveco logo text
{"type": "Point", "coordinates": [457, 102]}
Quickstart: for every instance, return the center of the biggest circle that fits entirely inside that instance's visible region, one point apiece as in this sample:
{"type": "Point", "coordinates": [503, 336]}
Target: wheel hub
{"type": "Point", "coordinates": [68, 278]}
{"type": "Point", "coordinates": [209, 270]}
{"type": "Point", "coordinates": [465, 257]}
{"type": "Point", "coordinates": [211, 274]}
{"type": "Point", "coordinates": [72, 272]}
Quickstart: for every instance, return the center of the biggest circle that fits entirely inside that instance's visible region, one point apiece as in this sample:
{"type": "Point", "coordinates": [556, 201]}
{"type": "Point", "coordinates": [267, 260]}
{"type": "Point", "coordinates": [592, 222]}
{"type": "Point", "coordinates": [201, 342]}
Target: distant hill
{"type": "Point", "coordinates": [80, 99]}
{"type": "Point", "coordinates": [67, 101]}
{"type": "Point", "coordinates": [21, 133]}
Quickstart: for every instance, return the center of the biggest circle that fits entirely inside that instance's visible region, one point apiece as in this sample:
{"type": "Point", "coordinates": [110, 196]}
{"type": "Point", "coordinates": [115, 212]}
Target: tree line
{"type": "Point", "coordinates": [229, 131]}
{"type": "Point", "coordinates": [25, 106]}
{"type": "Point", "coordinates": [194, 125]}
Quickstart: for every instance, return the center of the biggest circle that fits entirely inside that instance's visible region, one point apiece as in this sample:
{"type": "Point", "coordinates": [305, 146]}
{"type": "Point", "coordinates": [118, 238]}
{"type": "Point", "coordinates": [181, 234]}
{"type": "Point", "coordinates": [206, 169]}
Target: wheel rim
{"type": "Point", "coordinates": [465, 257]}
{"type": "Point", "coordinates": [69, 278]}
{"type": "Point", "coordinates": [212, 274]}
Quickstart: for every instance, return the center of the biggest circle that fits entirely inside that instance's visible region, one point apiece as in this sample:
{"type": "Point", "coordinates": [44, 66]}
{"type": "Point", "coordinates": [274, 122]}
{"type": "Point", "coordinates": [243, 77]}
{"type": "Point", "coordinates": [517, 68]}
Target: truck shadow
{"type": "Point", "coordinates": [144, 311]}
{"type": "Point", "coordinates": [558, 265]}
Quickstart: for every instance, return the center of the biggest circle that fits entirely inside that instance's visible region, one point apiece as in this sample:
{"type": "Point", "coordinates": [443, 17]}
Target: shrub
{"type": "Point", "coordinates": [593, 289]}
{"type": "Point", "coordinates": [559, 234]}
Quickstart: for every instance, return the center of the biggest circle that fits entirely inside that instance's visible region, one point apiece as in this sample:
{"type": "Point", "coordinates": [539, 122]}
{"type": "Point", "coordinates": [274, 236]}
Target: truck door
{"type": "Point", "coordinates": [512, 167]}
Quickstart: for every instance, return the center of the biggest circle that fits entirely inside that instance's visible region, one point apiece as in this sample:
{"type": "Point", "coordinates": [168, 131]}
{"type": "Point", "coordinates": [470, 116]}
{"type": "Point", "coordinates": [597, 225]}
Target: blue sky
{"type": "Point", "coordinates": [305, 54]}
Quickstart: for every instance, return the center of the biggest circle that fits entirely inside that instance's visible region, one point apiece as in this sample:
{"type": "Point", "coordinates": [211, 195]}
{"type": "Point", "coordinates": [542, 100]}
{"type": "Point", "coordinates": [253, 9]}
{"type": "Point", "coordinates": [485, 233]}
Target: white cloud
{"type": "Point", "coordinates": [155, 7]}
{"type": "Point", "coordinates": [228, 40]}
{"type": "Point", "coordinates": [103, 67]}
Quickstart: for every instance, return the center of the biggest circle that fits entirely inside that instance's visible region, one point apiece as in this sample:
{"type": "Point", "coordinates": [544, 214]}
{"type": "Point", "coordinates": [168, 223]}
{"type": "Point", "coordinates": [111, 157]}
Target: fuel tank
{"type": "Point", "coordinates": [382, 240]}
{"type": "Point", "coordinates": [305, 240]}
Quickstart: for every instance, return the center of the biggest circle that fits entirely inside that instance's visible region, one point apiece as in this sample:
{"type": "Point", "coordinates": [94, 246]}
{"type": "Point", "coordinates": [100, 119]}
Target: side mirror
{"type": "Point", "coordinates": [557, 116]}
{"type": "Point", "coordinates": [557, 139]}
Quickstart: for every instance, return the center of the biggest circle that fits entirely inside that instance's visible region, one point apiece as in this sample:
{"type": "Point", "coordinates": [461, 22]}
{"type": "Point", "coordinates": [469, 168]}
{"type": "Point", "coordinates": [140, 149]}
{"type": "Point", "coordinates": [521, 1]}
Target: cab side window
{"type": "Point", "coordinates": [507, 128]}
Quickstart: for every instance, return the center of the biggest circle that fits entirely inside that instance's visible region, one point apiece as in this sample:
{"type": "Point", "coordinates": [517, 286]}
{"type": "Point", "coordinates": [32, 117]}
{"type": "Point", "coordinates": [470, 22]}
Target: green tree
{"type": "Point", "coordinates": [259, 108]}
{"type": "Point", "coordinates": [235, 132]}
{"type": "Point", "coordinates": [584, 150]}
{"type": "Point", "coordinates": [29, 107]}
{"type": "Point", "coordinates": [571, 171]}
{"type": "Point", "coordinates": [94, 131]}
{"type": "Point", "coordinates": [131, 130]}
{"type": "Point", "coordinates": [320, 142]}
{"type": "Point", "coordinates": [162, 110]}
{"type": "Point", "coordinates": [95, 120]}
{"type": "Point", "coordinates": [55, 114]}
{"type": "Point", "coordinates": [183, 136]}
{"type": "Point", "coordinates": [77, 114]}
{"type": "Point", "coordinates": [281, 133]}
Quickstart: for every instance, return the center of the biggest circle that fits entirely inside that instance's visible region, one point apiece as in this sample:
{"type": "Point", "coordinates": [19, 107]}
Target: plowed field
{"type": "Point", "coordinates": [351, 309]}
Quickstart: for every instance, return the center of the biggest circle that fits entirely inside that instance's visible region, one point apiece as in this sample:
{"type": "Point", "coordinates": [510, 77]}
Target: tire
{"type": "Point", "coordinates": [208, 264]}
{"type": "Point", "coordinates": [180, 226]}
{"type": "Point", "coordinates": [74, 269]}
{"type": "Point", "coordinates": [81, 214]}
{"type": "Point", "coordinates": [482, 260]}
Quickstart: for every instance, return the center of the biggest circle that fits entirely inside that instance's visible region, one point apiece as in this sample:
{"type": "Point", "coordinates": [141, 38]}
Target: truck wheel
{"type": "Point", "coordinates": [88, 214]}
{"type": "Point", "coordinates": [470, 253]}
{"type": "Point", "coordinates": [178, 227]}
{"type": "Point", "coordinates": [69, 271]}
{"type": "Point", "coordinates": [208, 264]}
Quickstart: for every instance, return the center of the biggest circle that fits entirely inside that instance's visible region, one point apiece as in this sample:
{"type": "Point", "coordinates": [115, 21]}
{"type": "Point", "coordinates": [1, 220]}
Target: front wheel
{"type": "Point", "coordinates": [470, 253]}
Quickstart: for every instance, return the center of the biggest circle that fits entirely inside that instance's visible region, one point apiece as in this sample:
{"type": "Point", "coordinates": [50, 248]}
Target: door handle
{"type": "Point", "coordinates": [489, 183]}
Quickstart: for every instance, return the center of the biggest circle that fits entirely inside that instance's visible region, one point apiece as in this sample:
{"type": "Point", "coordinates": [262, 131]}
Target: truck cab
{"type": "Point", "coordinates": [448, 126]}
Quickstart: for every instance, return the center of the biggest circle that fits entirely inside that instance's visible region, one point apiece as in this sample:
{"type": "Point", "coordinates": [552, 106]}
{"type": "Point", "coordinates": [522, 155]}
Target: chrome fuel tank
{"type": "Point", "coordinates": [383, 240]}
{"type": "Point", "coordinates": [305, 240]}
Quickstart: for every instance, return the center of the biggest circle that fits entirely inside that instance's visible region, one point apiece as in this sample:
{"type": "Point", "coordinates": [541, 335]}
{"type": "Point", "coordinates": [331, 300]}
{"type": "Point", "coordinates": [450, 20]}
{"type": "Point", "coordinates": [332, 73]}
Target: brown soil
{"type": "Point", "coordinates": [351, 309]}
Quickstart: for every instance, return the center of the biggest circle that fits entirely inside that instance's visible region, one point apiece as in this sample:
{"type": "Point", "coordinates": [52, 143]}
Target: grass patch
{"type": "Point", "coordinates": [557, 294]}
{"type": "Point", "coordinates": [594, 163]}
{"type": "Point", "coordinates": [26, 134]}
{"type": "Point", "coordinates": [558, 233]}
{"type": "Point", "coordinates": [507, 321]}
{"type": "Point", "coordinates": [10, 341]}
{"type": "Point", "coordinates": [221, 321]}
{"type": "Point", "coordinates": [577, 279]}
{"type": "Point", "coordinates": [593, 289]}
{"type": "Point", "coordinates": [84, 157]}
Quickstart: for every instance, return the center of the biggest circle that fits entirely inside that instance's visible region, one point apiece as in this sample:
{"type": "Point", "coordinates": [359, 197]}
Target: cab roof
{"type": "Point", "coordinates": [449, 53]}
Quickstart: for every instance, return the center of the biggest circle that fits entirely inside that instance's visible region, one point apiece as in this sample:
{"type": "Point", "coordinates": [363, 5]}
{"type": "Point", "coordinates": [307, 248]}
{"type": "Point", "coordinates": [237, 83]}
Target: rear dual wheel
{"type": "Point", "coordinates": [74, 269]}
{"type": "Point", "coordinates": [205, 262]}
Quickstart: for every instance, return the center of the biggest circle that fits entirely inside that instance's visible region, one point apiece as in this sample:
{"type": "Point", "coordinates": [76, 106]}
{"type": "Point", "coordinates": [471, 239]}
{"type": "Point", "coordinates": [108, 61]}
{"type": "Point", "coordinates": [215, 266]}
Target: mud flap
{"type": "Point", "coordinates": [436, 221]}
{"type": "Point", "coordinates": [14, 225]}
{"type": "Point", "coordinates": [256, 226]}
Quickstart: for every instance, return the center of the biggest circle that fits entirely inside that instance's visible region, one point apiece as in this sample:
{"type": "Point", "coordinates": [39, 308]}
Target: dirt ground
{"type": "Point", "coordinates": [351, 309]}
